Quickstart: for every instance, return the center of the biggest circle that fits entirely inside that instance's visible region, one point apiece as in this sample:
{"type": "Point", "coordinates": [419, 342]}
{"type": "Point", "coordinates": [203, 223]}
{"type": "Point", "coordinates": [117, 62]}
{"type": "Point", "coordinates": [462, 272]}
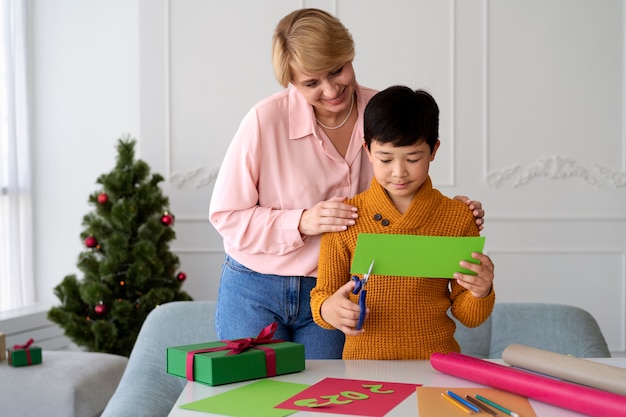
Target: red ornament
{"type": "Point", "coordinates": [100, 309]}
{"type": "Point", "coordinates": [167, 219]}
{"type": "Point", "coordinates": [181, 276]}
{"type": "Point", "coordinates": [91, 242]}
{"type": "Point", "coordinates": [103, 198]}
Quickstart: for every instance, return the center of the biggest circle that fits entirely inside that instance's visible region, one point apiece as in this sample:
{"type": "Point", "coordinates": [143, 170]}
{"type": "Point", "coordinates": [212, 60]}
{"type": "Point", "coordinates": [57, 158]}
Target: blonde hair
{"type": "Point", "coordinates": [311, 40]}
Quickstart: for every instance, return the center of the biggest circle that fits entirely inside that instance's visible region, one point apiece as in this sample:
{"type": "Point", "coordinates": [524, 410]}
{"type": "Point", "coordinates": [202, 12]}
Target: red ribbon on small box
{"type": "Point", "coordinates": [240, 345]}
{"type": "Point", "coordinates": [26, 347]}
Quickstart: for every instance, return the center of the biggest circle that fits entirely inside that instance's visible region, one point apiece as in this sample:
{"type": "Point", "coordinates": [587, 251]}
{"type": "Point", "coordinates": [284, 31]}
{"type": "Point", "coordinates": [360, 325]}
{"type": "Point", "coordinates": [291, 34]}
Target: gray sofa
{"type": "Point", "coordinates": [147, 390]}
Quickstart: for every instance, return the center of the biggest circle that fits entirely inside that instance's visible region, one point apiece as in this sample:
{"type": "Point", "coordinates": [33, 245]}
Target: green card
{"type": "Point", "coordinates": [253, 400]}
{"type": "Point", "coordinates": [414, 256]}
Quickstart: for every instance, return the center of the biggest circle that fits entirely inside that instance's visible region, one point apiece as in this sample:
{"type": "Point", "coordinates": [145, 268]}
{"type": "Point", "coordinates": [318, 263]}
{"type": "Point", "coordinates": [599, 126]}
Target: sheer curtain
{"type": "Point", "coordinates": [16, 243]}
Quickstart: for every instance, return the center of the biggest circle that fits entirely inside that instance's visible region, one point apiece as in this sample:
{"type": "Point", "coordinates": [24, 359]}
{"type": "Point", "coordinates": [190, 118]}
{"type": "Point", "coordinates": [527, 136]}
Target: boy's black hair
{"type": "Point", "coordinates": [402, 117]}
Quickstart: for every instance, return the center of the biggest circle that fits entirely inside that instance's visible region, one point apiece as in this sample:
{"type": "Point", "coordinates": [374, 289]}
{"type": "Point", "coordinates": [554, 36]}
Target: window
{"type": "Point", "coordinates": [16, 270]}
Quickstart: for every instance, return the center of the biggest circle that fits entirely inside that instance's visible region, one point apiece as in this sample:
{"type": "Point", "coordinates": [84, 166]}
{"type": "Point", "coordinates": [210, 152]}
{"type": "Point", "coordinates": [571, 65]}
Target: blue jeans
{"type": "Point", "coordinates": [248, 301]}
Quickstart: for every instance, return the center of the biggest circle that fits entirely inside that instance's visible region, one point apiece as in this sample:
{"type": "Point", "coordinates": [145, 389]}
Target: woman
{"type": "Point", "coordinates": [296, 157]}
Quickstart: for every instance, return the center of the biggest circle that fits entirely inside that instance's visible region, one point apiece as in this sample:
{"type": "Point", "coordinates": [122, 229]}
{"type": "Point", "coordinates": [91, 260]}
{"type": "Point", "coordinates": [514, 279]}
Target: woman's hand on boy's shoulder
{"type": "Point", "coordinates": [476, 208]}
{"type": "Point", "coordinates": [332, 215]}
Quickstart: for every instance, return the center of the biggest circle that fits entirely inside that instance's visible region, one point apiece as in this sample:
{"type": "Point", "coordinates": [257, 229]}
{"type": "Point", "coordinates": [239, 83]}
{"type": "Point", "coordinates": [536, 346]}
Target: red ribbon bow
{"type": "Point", "coordinates": [26, 347]}
{"type": "Point", "coordinates": [240, 345]}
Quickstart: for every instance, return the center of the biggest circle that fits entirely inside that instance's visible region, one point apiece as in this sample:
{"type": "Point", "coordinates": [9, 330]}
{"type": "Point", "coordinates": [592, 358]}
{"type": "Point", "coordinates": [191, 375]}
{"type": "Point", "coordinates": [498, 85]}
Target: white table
{"type": "Point", "coordinates": [418, 372]}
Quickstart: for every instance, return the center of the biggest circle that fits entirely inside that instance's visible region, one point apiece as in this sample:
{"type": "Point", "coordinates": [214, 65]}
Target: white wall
{"type": "Point", "coordinates": [533, 122]}
{"type": "Point", "coordinates": [86, 95]}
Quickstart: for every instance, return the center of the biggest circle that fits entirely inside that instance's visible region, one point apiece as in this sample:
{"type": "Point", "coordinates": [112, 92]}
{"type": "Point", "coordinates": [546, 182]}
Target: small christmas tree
{"type": "Point", "coordinates": [127, 265]}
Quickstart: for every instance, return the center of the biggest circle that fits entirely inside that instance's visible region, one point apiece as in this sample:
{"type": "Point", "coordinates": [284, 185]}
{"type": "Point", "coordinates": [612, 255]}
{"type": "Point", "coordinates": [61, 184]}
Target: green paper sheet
{"type": "Point", "coordinates": [253, 400]}
{"type": "Point", "coordinates": [414, 256]}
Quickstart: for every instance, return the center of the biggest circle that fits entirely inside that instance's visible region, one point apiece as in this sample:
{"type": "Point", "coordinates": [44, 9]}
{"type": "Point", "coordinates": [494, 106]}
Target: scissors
{"type": "Point", "coordinates": [359, 288]}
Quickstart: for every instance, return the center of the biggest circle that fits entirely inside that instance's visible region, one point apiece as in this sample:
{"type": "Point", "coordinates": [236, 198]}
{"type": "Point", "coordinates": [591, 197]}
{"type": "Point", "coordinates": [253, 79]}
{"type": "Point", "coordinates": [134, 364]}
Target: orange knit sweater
{"type": "Point", "coordinates": [407, 317]}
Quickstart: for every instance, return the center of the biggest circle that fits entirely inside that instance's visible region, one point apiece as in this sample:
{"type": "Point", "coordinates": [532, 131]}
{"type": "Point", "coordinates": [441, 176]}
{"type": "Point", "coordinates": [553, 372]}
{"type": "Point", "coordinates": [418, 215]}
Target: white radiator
{"type": "Point", "coordinates": [22, 324]}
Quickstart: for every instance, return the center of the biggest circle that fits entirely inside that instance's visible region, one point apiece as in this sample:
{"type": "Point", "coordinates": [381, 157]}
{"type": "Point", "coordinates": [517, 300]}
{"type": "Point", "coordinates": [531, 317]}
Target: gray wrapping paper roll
{"type": "Point", "coordinates": [568, 368]}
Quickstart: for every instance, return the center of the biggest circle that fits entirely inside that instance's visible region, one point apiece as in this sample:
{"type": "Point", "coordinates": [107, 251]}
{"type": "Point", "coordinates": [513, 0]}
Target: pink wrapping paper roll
{"type": "Point", "coordinates": [585, 400]}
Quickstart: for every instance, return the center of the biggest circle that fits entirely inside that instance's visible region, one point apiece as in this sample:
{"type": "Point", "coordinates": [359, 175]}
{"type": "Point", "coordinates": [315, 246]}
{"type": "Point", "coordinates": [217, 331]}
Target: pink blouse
{"type": "Point", "coordinates": [279, 164]}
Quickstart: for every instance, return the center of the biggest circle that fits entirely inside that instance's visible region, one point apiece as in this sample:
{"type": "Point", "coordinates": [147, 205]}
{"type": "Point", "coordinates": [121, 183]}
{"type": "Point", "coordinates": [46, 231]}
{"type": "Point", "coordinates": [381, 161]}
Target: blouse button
{"type": "Point", "coordinates": [377, 217]}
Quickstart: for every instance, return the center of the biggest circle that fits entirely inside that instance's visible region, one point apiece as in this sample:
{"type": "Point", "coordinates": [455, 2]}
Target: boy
{"type": "Point", "coordinates": [406, 316]}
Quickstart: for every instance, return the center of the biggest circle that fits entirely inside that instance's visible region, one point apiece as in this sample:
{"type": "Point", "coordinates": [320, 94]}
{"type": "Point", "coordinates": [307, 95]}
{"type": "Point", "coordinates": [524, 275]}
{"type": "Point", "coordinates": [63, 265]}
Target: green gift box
{"type": "Point", "coordinates": [24, 355]}
{"type": "Point", "coordinates": [217, 363]}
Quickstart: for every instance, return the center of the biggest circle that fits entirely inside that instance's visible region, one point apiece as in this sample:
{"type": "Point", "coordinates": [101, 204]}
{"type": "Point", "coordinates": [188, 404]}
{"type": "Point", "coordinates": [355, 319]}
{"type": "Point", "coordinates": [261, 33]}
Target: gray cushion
{"type": "Point", "coordinates": [65, 384]}
{"type": "Point", "coordinates": [146, 389]}
{"type": "Point", "coordinates": [555, 327]}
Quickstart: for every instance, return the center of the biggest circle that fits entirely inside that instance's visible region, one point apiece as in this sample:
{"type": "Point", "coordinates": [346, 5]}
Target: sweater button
{"type": "Point", "coordinates": [385, 222]}
{"type": "Point", "coordinates": [377, 217]}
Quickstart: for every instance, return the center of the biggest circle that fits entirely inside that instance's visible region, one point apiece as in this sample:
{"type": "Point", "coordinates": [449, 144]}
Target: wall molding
{"type": "Point", "coordinates": [196, 177]}
{"type": "Point", "coordinates": [546, 167]}
{"type": "Point", "coordinates": [557, 167]}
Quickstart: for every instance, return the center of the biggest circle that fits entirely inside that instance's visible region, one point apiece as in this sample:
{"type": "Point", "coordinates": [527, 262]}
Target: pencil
{"type": "Point", "coordinates": [481, 406]}
{"type": "Point", "coordinates": [499, 407]}
{"type": "Point", "coordinates": [464, 402]}
{"type": "Point", "coordinates": [456, 403]}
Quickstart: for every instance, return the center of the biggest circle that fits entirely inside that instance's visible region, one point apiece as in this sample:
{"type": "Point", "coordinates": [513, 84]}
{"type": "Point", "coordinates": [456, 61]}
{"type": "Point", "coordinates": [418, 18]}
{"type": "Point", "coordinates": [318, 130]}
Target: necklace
{"type": "Point", "coordinates": [340, 124]}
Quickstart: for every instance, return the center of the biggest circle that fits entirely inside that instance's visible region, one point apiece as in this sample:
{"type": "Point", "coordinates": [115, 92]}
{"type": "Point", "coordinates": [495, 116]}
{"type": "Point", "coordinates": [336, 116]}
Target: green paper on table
{"type": "Point", "coordinates": [415, 256]}
{"type": "Point", "coordinates": [253, 400]}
